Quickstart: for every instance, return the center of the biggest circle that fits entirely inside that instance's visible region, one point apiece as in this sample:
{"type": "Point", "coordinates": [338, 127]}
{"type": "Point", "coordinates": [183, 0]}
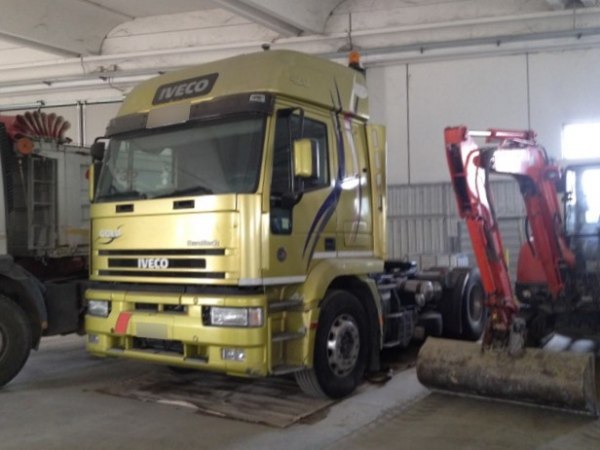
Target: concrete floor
{"type": "Point", "coordinates": [54, 404]}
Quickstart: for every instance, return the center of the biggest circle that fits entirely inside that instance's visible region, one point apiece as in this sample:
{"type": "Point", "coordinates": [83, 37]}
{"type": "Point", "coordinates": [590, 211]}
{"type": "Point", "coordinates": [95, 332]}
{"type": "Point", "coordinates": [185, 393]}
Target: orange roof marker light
{"type": "Point", "coordinates": [354, 61]}
{"type": "Point", "coordinates": [24, 146]}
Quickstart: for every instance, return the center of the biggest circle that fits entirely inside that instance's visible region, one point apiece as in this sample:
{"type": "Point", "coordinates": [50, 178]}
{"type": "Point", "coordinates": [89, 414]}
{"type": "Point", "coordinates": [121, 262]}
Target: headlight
{"type": "Point", "coordinates": [235, 317]}
{"type": "Point", "coordinates": [98, 308]}
{"type": "Point", "coordinates": [233, 354]}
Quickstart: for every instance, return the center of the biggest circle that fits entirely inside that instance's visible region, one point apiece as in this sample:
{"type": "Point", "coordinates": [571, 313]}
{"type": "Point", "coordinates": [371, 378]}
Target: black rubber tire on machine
{"type": "Point", "coordinates": [340, 352]}
{"type": "Point", "coordinates": [15, 339]}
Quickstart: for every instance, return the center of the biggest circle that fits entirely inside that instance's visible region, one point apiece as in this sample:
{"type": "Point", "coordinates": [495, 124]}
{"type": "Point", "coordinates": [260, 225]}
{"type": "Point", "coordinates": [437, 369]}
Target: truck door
{"type": "Point", "coordinates": [302, 210]}
{"type": "Point", "coordinates": [354, 214]}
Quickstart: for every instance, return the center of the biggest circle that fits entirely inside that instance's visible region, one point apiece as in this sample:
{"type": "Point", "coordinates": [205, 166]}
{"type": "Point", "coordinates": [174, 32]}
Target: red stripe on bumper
{"type": "Point", "coordinates": [122, 323]}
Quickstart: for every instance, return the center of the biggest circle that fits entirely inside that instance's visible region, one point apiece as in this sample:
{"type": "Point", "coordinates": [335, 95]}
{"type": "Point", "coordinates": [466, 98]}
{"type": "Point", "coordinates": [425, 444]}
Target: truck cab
{"type": "Point", "coordinates": [238, 225]}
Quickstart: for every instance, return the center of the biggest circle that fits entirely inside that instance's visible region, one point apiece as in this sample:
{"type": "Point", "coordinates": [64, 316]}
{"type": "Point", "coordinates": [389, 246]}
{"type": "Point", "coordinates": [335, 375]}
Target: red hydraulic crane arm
{"type": "Point", "coordinates": [475, 207]}
{"type": "Point", "coordinates": [537, 181]}
{"type": "Point", "coordinates": [513, 153]}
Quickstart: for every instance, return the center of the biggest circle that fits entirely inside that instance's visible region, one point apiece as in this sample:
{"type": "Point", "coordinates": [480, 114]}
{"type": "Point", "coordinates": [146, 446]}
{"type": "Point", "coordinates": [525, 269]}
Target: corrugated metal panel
{"type": "Point", "coordinates": [417, 200]}
{"type": "Point", "coordinates": [438, 199]}
{"type": "Point", "coordinates": [445, 260]}
{"type": "Point", "coordinates": [450, 201]}
{"type": "Point", "coordinates": [417, 236]}
{"type": "Point", "coordinates": [423, 220]}
{"type": "Point", "coordinates": [507, 199]}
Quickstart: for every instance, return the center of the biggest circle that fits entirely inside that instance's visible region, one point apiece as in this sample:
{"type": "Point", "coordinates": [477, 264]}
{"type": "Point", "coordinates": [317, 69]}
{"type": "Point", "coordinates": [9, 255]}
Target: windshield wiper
{"type": "Point", "coordinates": [127, 195]}
{"type": "Point", "coordinates": [187, 191]}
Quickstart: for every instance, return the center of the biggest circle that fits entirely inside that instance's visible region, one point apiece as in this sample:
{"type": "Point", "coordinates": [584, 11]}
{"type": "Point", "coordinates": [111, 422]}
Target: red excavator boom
{"type": "Point", "coordinates": [503, 368]}
{"type": "Point", "coordinates": [517, 154]}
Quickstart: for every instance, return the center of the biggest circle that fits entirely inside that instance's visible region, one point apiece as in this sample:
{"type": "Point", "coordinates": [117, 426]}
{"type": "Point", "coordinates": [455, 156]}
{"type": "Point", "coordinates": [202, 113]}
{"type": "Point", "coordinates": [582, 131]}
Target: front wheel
{"type": "Point", "coordinates": [340, 352]}
{"type": "Point", "coordinates": [15, 339]}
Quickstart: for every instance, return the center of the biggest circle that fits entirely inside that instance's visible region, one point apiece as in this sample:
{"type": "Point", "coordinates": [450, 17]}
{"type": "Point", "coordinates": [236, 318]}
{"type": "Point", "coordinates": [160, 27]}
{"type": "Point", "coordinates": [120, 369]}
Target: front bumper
{"type": "Point", "coordinates": [168, 329]}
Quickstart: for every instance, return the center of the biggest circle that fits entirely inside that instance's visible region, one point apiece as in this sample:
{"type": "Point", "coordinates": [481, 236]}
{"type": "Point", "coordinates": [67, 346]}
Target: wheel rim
{"type": "Point", "coordinates": [476, 304]}
{"type": "Point", "coordinates": [343, 345]}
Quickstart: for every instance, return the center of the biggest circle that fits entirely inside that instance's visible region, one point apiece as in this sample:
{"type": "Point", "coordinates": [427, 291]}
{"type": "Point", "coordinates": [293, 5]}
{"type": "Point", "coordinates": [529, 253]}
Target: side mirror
{"type": "Point", "coordinates": [305, 151]}
{"type": "Point", "coordinates": [97, 150]}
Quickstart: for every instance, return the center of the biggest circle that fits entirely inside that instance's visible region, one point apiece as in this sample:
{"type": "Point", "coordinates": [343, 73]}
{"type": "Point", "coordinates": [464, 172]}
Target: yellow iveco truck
{"type": "Point", "coordinates": [238, 226]}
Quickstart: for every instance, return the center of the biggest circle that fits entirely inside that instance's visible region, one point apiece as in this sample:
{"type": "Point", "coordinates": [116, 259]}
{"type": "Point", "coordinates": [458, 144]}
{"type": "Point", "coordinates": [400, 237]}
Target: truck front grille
{"type": "Point", "coordinates": [161, 274]}
{"type": "Point", "coordinates": [154, 307]}
{"type": "Point", "coordinates": [160, 345]}
{"type": "Point", "coordinates": [163, 252]}
{"type": "Point", "coordinates": [172, 263]}
{"type": "Point", "coordinates": [160, 263]}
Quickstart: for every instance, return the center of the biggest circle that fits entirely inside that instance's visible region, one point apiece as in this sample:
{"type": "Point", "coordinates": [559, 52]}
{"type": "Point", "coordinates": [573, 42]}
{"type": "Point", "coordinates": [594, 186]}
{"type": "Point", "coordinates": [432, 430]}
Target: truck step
{"type": "Point", "coordinates": [286, 336]}
{"type": "Point", "coordinates": [395, 315]}
{"type": "Point", "coordinates": [284, 305]}
{"type": "Point", "coordinates": [387, 287]}
{"type": "Point", "coordinates": [391, 344]}
{"type": "Point", "coordinates": [285, 368]}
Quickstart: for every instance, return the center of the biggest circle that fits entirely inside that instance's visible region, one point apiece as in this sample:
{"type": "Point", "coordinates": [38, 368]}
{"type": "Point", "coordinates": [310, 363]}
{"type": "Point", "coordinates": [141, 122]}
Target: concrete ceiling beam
{"type": "Point", "coordinates": [63, 27]}
{"type": "Point", "coordinates": [287, 17]}
{"type": "Point", "coordinates": [401, 43]}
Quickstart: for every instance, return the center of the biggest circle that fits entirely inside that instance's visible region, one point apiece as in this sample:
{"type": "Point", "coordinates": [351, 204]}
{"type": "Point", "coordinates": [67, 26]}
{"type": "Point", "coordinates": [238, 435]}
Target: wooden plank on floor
{"type": "Point", "coordinates": [276, 401]}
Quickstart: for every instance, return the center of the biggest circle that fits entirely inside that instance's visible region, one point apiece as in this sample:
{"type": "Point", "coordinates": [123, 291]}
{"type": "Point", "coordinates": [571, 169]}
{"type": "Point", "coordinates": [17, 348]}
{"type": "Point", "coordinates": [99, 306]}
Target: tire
{"type": "Point", "coordinates": [15, 339]}
{"type": "Point", "coordinates": [540, 327]}
{"type": "Point", "coordinates": [341, 347]}
{"type": "Point", "coordinates": [474, 311]}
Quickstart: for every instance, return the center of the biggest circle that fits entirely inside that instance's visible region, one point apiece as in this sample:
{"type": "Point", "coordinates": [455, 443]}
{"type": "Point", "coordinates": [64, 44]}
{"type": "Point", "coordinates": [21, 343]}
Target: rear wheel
{"type": "Point", "coordinates": [340, 351]}
{"type": "Point", "coordinates": [474, 309]}
{"type": "Point", "coordinates": [15, 339]}
{"type": "Point", "coordinates": [540, 327]}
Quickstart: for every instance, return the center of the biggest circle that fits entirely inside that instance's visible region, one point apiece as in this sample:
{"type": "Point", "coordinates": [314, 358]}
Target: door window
{"type": "Point", "coordinates": [282, 185]}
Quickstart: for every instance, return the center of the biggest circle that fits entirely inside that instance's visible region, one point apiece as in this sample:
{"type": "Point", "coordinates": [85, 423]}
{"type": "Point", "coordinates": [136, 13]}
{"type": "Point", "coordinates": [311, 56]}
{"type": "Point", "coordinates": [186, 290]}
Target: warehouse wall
{"type": "Point", "coordinates": [542, 91]}
{"type": "Point", "coordinates": [423, 223]}
{"type": "Point", "coordinates": [564, 88]}
{"type": "Point", "coordinates": [96, 118]}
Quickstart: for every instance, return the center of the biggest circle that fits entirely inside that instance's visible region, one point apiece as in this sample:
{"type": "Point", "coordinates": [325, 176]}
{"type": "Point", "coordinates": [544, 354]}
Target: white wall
{"type": "Point", "coordinates": [96, 118]}
{"type": "Point", "coordinates": [479, 93]}
{"type": "Point", "coordinates": [564, 88]}
{"type": "Point", "coordinates": [542, 91]}
{"type": "Point", "coordinates": [387, 103]}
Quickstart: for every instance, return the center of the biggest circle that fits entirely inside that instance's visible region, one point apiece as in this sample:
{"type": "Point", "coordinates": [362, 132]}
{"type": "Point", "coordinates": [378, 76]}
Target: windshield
{"type": "Point", "coordinates": [202, 158]}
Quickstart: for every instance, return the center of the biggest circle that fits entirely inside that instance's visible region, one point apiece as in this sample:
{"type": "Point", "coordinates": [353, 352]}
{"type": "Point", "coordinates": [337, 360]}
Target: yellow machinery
{"type": "Point", "coordinates": [238, 225]}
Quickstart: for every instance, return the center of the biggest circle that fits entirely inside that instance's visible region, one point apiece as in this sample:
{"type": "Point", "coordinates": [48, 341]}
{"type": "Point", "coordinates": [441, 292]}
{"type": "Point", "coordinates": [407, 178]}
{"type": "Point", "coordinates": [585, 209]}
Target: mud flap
{"type": "Point", "coordinates": [555, 379]}
{"type": "Point", "coordinates": [64, 306]}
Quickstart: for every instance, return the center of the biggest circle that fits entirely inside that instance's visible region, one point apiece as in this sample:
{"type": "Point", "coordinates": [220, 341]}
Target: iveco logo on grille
{"type": "Point", "coordinates": [153, 263]}
{"type": "Point", "coordinates": [180, 90]}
